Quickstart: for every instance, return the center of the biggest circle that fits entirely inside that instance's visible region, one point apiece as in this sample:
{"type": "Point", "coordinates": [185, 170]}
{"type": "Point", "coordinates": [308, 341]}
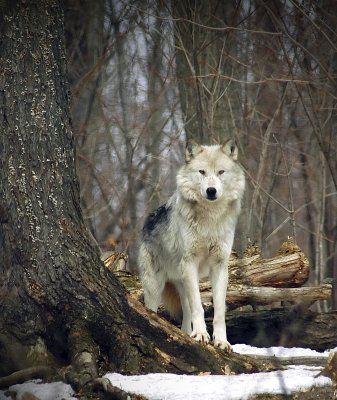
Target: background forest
{"type": "Point", "coordinates": [147, 75]}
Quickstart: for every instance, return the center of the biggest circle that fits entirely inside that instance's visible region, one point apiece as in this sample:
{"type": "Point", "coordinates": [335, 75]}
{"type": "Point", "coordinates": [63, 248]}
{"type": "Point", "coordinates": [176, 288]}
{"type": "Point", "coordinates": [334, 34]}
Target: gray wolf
{"type": "Point", "coordinates": [191, 237]}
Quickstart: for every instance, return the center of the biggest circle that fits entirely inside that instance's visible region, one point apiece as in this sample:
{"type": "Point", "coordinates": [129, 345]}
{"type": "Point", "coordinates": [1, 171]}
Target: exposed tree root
{"type": "Point", "coordinates": [110, 392]}
{"type": "Point", "coordinates": [83, 355]}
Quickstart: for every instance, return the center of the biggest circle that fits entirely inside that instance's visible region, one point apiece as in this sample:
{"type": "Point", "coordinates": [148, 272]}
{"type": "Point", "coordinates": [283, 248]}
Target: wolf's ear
{"type": "Point", "coordinates": [192, 149]}
{"type": "Point", "coordinates": [230, 149]}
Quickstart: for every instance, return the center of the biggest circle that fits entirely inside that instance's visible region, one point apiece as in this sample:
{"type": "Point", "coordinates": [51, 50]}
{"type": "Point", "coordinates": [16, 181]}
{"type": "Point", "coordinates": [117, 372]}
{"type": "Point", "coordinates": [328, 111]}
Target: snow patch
{"type": "Point", "coordinates": [218, 387]}
{"type": "Point", "coordinates": [279, 351]}
{"type": "Point", "coordinates": [43, 391]}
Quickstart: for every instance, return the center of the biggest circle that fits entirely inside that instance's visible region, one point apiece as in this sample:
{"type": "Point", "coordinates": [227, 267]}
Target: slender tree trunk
{"type": "Point", "coordinates": [155, 119]}
{"type": "Point", "coordinates": [84, 27]}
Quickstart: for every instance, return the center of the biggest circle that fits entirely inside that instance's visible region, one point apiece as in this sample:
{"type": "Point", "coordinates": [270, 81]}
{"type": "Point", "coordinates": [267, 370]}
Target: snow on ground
{"type": "Point", "coordinates": [206, 387]}
{"type": "Point", "coordinates": [279, 351]}
{"type": "Point", "coordinates": [43, 391]}
{"type": "Point", "coordinates": [218, 387]}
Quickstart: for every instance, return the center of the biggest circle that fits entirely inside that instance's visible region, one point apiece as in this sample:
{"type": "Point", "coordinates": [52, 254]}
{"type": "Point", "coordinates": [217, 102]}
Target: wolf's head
{"type": "Point", "coordinates": [211, 173]}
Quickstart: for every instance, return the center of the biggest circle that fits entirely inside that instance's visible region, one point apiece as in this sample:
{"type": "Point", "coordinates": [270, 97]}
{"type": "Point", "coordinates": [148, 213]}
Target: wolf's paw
{"type": "Point", "coordinates": [222, 344]}
{"type": "Point", "coordinates": [201, 336]}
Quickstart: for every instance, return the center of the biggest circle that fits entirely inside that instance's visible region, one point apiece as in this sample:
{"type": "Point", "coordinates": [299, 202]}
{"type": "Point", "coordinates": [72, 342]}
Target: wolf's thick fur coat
{"type": "Point", "coordinates": [191, 237]}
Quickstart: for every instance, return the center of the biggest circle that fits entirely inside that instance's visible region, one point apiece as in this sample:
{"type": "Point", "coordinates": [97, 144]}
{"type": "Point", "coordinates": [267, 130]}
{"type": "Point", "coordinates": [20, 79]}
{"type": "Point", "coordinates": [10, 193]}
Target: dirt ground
{"type": "Point", "coordinates": [321, 393]}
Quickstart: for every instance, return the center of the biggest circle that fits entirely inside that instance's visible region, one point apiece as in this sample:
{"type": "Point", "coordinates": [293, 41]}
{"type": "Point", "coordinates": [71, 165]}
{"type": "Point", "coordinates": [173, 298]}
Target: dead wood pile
{"type": "Point", "coordinates": [253, 280]}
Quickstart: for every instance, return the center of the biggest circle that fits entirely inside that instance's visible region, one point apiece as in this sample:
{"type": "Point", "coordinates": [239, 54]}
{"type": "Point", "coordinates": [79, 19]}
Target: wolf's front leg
{"type": "Point", "coordinates": [219, 276]}
{"type": "Point", "coordinates": [190, 281]}
{"type": "Point", "coordinates": [186, 325]}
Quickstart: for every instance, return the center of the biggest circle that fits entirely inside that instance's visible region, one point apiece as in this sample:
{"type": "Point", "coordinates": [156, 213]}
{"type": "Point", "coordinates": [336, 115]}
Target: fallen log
{"type": "Point", "coordinates": [290, 268]}
{"type": "Point", "coordinates": [251, 278]}
{"type": "Point", "coordinates": [238, 296]}
{"type": "Point", "coordinates": [212, 359]}
{"type": "Point", "coordinates": [288, 327]}
{"type": "Point", "coordinates": [313, 361]}
{"type": "Point", "coordinates": [244, 295]}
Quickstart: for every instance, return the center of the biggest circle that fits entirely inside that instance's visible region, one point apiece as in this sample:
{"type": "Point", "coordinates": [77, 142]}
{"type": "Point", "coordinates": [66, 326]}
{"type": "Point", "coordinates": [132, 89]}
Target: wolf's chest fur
{"type": "Point", "coordinates": [206, 227]}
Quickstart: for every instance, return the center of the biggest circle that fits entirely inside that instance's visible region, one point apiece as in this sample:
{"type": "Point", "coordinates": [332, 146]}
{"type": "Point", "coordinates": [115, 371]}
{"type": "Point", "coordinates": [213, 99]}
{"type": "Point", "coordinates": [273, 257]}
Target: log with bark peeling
{"type": "Point", "coordinates": [244, 295]}
{"type": "Point", "coordinates": [289, 268]}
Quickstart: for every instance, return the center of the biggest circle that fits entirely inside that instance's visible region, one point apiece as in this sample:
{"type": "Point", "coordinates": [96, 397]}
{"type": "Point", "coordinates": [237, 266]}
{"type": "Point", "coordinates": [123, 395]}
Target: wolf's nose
{"type": "Point", "coordinates": [211, 193]}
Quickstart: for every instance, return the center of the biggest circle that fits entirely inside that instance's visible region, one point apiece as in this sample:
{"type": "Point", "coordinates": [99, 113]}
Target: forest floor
{"type": "Point", "coordinates": [296, 382]}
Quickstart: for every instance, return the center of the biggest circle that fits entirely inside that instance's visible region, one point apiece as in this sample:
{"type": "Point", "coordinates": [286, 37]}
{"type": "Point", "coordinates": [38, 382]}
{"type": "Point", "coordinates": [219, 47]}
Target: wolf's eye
{"type": "Point", "coordinates": [221, 172]}
{"type": "Point", "coordinates": [202, 172]}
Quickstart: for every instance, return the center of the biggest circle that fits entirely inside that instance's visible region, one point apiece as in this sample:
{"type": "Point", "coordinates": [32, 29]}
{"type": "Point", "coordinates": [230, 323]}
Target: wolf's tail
{"type": "Point", "coordinates": [171, 301]}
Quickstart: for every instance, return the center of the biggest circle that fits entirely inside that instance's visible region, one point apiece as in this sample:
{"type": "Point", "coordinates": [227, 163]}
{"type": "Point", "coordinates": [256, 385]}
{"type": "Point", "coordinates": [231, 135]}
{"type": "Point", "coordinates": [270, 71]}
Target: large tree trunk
{"type": "Point", "coordinates": [50, 273]}
{"type": "Point", "coordinates": [58, 303]}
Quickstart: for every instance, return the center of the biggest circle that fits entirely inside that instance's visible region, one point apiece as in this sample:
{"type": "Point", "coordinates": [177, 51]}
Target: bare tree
{"type": "Point", "coordinates": [87, 55]}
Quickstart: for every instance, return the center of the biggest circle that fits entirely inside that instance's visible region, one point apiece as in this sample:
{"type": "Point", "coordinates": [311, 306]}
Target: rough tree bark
{"type": "Point", "coordinates": [51, 275]}
{"type": "Point", "coordinates": [58, 304]}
